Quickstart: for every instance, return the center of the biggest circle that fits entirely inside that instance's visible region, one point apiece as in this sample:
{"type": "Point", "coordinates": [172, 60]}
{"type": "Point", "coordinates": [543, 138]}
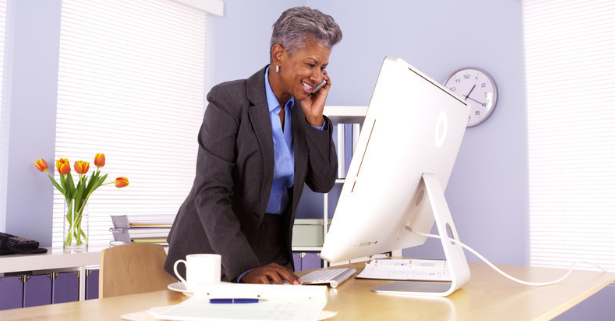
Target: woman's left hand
{"type": "Point", "coordinates": [314, 105]}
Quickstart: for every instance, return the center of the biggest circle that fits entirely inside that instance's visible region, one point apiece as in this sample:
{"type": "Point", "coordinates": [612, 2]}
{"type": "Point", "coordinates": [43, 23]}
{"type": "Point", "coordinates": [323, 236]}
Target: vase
{"type": "Point", "coordinates": [76, 225]}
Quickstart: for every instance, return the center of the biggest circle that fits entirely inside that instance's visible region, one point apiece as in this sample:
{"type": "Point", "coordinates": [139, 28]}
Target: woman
{"type": "Point", "coordinates": [261, 139]}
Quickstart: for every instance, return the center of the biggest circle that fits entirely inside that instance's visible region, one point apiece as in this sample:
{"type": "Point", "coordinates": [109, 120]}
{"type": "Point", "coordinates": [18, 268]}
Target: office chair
{"type": "Point", "coordinates": [133, 268]}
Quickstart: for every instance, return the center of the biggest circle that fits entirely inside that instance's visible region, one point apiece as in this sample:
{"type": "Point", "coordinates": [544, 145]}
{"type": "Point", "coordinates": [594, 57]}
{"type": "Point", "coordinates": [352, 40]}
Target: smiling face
{"type": "Point", "coordinates": [300, 73]}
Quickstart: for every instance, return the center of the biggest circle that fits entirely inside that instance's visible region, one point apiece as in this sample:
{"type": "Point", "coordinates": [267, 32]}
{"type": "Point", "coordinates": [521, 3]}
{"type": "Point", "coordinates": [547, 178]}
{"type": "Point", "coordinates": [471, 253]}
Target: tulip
{"type": "Point", "coordinates": [121, 182]}
{"type": "Point", "coordinates": [99, 160]}
{"type": "Point", "coordinates": [63, 166]}
{"type": "Point", "coordinates": [82, 167]}
{"type": "Point", "coordinates": [41, 164]}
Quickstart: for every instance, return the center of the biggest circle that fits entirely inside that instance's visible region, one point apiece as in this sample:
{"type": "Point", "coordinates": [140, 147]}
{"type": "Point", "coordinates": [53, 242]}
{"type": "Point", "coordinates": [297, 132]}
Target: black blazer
{"type": "Point", "coordinates": [226, 205]}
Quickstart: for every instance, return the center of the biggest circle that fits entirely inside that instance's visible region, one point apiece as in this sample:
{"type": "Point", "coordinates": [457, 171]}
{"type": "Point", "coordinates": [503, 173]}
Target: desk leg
{"type": "Point", "coordinates": [82, 277]}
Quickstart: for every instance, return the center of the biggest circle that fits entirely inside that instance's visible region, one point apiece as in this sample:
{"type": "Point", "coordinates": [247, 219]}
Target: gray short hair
{"type": "Point", "coordinates": [296, 26]}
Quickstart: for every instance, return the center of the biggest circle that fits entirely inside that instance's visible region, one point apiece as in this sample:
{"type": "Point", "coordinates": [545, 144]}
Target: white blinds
{"type": "Point", "coordinates": [570, 60]}
{"type": "Point", "coordinates": [131, 81]}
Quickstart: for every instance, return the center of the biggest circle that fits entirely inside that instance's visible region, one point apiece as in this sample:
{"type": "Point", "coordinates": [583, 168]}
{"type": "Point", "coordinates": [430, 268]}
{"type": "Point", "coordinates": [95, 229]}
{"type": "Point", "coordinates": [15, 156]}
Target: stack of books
{"type": "Point", "coordinates": [141, 228]}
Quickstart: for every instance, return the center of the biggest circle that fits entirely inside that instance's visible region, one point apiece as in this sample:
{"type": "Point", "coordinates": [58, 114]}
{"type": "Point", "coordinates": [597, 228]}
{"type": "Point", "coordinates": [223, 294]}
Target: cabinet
{"type": "Point", "coordinates": [36, 288]}
{"type": "Point", "coordinates": [49, 278]}
{"type": "Point", "coordinates": [11, 292]}
{"type": "Point", "coordinates": [65, 287]}
{"type": "Point", "coordinates": [91, 282]}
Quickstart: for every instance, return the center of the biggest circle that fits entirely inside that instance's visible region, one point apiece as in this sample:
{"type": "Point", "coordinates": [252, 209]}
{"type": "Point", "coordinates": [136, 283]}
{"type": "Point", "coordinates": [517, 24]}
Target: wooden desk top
{"type": "Point", "coordinates": [488, 296]}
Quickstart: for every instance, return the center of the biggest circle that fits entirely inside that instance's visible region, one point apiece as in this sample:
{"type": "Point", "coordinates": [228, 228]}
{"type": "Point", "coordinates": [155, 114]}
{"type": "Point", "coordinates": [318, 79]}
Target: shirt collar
{"type": "Point", "coordinates": [272, 100]}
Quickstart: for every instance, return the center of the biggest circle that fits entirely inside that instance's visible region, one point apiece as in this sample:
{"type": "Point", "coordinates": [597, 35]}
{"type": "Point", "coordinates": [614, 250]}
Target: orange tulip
{"type": "Point", "coordinates": [121, 182]}
{"type": "Point", "coordinates": [63, 166]}
{"type": "Point", "coordinates": [41, 164]}
{"type": "Point", "coordinates": [82, 167]}
{"type": "Point", "coordinates": [99, 160]}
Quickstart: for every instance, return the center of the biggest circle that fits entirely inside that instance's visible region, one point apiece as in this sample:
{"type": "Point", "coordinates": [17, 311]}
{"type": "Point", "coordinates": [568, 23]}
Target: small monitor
{"type": "Point", "coordinates": [410, 137]}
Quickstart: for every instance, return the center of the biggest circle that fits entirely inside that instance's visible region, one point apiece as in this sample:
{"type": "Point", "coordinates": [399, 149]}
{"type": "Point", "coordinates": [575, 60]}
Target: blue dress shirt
{"type": "Point", "coordinates": [283, 151]}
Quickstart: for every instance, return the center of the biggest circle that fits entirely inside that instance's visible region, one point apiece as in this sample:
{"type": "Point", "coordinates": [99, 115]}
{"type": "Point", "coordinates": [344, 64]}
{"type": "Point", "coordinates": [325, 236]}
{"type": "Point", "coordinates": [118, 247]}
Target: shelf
{"type": "Point", "coordinates": [346, 114]}
{"type": "Point", "coordinates": [307, 248]}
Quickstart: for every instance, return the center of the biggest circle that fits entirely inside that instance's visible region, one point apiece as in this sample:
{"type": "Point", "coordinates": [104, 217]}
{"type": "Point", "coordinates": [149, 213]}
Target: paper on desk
{"type": "Point", "coordinates": [149, 314]}
{"type": "Point", "coordinates": [145, 315]}
{"type": "Point", "coordinates": [277, 302]}
{"type": "Point", "coordinates": [406, 269]}
{"type": "Point", "coordinates": [261, 291]}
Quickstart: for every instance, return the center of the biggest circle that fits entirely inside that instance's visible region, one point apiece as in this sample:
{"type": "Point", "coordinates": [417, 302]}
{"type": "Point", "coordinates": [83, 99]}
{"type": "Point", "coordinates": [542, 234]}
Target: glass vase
{"type": "Point", "coordinates": [76, 225]}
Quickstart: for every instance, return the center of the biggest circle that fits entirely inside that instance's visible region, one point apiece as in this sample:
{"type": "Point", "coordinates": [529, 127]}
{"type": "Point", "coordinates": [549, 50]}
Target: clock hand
{"type": "Point", "coordinates": [476, 101]}
{"type": "Point", "coordinates": [468, 95]}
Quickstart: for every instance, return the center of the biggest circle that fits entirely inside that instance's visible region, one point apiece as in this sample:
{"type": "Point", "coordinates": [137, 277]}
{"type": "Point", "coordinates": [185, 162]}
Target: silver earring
{"type": "Point", "coordinates": [277, 68]}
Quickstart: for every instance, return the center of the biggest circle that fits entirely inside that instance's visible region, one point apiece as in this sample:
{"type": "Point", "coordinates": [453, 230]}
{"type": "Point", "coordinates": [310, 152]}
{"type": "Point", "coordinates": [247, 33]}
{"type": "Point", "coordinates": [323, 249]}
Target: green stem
{"type": "Point", "coordinates": [74, 217]}
{"type": "Point", "coordinates": [69, 218]}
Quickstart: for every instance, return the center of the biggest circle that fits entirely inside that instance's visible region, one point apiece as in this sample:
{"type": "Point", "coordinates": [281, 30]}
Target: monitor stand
{"type": "Point", "coordinates": [457, 264]}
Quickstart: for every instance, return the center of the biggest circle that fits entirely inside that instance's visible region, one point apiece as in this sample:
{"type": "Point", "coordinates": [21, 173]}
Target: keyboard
{"type": "Point", "coordinates": [332, 277]}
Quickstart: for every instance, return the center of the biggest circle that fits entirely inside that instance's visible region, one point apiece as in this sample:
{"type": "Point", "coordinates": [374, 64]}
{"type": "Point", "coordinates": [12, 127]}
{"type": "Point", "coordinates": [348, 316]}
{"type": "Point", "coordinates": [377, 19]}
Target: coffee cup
{"type": "Point", "coordinates": [200, 269]}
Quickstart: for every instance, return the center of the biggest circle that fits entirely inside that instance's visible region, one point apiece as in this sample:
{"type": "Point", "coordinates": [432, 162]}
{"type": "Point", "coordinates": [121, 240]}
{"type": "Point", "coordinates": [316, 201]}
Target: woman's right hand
{"type": "Point", "coordinates": [271, 273]}
{"type": "Point", "coordinates": [314, 105]}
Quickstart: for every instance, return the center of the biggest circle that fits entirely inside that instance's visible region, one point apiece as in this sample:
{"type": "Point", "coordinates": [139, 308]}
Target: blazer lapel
{"type": "Point", "coordinates": [258, 113]}
{"type": "Point", "coordinates": [301, 149]}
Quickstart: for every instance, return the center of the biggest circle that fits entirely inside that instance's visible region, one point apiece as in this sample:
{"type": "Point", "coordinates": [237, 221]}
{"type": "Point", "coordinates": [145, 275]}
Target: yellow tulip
{"type": "Point", "coordinates": [121, 182]}
{"type": "Point", "coordinates": [82, 167]}
{"type": "Point", "coordinates": [99, 160]}
{"type": "Point", "coordinates": [63, 166]}
{"type": "Point", "coordinates": [41, 164]}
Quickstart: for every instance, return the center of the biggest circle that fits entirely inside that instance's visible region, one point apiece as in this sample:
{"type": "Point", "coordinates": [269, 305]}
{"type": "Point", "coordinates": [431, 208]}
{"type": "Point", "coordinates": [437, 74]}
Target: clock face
{"type": "Point", "coordinates": [477, 89]}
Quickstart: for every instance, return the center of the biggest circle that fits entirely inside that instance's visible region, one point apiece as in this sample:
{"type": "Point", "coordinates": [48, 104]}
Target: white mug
{"type": "Point", "coordinates": [200, 269]}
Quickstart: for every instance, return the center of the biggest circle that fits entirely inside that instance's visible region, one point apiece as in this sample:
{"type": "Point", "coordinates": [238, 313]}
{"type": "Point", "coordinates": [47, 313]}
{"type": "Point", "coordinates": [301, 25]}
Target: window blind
{"type": "Point", "coordinates": [131, 81]}
{"type": "Point", "coordinates": [570, 67]}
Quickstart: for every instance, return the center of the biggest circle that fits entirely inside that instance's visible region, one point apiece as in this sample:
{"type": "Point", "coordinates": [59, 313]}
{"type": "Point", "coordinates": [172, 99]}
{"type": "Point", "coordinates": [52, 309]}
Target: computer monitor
{"type": "Point", "coordinates": [398, 172]}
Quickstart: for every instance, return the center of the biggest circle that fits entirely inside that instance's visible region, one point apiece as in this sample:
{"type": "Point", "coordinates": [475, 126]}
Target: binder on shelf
{"type": "Point", "coordinates": [347, 136]}
{"type": "Point", "coordinates": [341, 154]}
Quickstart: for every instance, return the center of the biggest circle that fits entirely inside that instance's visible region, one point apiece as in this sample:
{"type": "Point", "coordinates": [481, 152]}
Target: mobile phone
{"type": "Point", "coordinates": [324, 82]}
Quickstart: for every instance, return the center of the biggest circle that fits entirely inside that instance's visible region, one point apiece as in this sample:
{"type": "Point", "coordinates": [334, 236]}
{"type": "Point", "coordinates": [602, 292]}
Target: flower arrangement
{"type": "Point", "coordinates": [76, 196]}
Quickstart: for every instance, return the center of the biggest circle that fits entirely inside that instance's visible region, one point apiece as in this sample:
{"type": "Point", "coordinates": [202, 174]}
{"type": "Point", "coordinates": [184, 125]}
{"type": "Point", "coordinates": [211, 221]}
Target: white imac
{"type": "Point", "coordinates": [397, 177]}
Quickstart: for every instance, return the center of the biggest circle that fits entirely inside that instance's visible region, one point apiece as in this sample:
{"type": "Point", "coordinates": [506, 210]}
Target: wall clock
{"type": "Point", "coordinates": [477, 89]}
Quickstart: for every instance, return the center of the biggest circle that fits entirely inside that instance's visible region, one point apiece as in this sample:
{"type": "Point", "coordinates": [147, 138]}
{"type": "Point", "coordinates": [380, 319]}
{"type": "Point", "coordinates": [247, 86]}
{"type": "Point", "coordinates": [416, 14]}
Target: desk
{"type": "Point", "coordinates": [488, 296]}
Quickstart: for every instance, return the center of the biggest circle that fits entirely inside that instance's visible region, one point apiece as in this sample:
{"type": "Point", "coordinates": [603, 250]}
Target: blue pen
{"type": "Point", "coordinates": [232, 301]}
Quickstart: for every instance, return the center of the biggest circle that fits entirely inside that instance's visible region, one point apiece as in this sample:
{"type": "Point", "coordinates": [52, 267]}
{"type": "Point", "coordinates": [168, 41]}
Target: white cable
{"type": "Point", "coordinates": [502, 272]}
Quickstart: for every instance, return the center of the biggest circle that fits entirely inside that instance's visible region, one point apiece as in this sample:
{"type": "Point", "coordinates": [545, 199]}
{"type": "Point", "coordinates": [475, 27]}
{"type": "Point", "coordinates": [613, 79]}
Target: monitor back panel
{"type": "Point", "coordinates": [413, 126]}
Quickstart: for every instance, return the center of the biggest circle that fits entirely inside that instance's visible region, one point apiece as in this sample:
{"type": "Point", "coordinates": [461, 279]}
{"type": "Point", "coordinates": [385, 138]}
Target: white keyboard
{"type": "Point", "coordinates": [332, 277]}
